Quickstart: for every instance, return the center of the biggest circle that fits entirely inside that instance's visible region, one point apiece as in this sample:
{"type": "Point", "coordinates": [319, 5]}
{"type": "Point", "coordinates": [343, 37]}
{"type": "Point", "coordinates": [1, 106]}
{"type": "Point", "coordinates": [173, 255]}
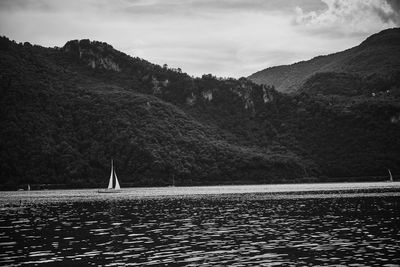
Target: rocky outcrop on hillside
{"type": "Point", "coordinates": [93, 54]}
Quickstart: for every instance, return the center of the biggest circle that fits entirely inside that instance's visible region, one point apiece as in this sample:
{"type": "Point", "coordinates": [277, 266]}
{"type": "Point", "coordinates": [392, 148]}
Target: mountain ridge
{"type": "Point", "coordinates": [66, 111]}
{"type": "Point", "coordinates": [378, 54]}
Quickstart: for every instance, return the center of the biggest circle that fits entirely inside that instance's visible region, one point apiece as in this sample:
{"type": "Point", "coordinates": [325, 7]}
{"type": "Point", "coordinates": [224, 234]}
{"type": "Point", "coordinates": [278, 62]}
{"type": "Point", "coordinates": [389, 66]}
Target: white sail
{"type": "Point", "coordinates": [110, 183]}
{"type": "Point", "coordinates": [116, 181]}
{"type": "Point", "coordinates": [113, 187]}
{"type": "Point", "coordinates": [390, 176]}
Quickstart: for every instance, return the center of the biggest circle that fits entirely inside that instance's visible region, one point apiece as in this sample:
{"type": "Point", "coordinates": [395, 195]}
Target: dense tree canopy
{"type": "Point", "coordinates": [65, 112]}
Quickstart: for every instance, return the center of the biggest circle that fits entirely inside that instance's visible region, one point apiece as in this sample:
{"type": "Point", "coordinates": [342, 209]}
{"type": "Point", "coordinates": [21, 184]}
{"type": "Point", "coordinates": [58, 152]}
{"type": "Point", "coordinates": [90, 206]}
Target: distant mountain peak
{"type": "Point", "coordinates": [378, 55]}
{"type": "Point", "coordinates": [385, 37]}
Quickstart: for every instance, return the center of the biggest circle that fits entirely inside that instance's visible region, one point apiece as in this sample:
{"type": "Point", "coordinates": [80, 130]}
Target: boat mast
{"type": "Point", "coordinates": [110, 183]}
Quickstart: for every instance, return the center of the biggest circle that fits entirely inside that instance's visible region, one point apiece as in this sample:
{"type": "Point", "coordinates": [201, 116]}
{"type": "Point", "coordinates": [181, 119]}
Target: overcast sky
{"type": "Point", "coordinates": [228, 38]}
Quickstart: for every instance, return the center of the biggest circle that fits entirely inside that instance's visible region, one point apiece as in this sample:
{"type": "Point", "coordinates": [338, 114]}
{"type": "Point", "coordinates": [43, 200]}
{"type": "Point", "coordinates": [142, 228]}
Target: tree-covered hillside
{"type": "Point", "coordinates": [63, 121]}
{"type": "Point", "coordinates": [65, 112]}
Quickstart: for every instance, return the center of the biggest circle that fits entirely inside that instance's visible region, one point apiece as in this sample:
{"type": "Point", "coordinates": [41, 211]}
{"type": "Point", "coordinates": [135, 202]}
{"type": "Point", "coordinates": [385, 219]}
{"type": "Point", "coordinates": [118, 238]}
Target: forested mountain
{"type": "Point", "coordinates": [65, 112]}
{"type": "Point", "coordinates": [374, 62]}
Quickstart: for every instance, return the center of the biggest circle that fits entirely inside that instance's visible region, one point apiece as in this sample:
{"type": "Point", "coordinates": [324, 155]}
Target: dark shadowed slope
{"type": "Point", "coordinates": [66, 111]}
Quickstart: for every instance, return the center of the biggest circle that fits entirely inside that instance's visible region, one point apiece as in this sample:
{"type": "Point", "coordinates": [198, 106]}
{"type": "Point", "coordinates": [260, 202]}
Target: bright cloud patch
{"type": "Point", "coordinates": [350, 16]}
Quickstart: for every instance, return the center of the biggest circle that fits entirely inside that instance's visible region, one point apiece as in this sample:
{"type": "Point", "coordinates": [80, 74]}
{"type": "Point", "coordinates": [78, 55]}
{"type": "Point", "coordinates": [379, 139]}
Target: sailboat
{"type": "Point", "coordinates": [390, 176]}
{"type": "Point", "coordinates": [113, 184]}
{"type": "Point", "coordinates": [173, 181]}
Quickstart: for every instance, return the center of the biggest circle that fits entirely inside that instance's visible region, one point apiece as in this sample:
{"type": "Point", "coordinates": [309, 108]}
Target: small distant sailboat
{"type": "Point", "coordinates": [29, 187]}
{"type": "Point", "coordinates": [113, 184]}
{"type": "Point", "coordinates": [173, 181]}
{"type": "Point", "coordinates": [390, 176]}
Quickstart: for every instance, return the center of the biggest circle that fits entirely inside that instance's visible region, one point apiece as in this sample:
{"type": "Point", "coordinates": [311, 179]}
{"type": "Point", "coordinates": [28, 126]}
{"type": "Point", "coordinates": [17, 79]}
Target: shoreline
{"type": "Point", "coordinates": [250, 192]}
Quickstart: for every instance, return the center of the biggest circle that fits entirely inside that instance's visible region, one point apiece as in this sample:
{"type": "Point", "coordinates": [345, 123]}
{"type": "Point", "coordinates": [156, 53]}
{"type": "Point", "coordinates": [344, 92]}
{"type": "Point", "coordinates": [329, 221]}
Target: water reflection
{"type": "Point", "coordinates": [184, 231]}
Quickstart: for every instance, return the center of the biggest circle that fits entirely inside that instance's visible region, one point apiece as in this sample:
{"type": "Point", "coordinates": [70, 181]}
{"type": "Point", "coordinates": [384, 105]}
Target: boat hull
{"type": "Point", "coordinates": [109, 191]}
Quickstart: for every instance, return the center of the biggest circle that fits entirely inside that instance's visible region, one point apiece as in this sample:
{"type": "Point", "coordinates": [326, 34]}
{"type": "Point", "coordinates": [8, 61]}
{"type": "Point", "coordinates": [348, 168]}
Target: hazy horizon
{"type": "Point", "coordinates": [226, 38]}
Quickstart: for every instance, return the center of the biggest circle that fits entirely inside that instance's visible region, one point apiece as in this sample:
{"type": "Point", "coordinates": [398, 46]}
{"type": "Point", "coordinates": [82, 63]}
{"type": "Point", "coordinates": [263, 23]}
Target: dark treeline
{"type": "Point", "coordinates": [65, 112]}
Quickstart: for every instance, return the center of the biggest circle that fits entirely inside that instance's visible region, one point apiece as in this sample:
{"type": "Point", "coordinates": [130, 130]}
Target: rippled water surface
{"type": "Point", "coordinates": [83, 227]}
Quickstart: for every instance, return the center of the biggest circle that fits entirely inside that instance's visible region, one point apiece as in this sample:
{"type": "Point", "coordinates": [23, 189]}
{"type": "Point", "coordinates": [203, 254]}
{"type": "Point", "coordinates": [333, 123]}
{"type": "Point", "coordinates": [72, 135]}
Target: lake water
{"type": "Point", "coordinates": [354, 224]}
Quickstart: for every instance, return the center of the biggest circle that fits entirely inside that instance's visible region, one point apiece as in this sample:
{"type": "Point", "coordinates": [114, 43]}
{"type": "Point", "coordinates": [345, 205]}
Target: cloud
{"type": "Point", "coordinates": [154, 7]}
{"type": "Point", "coordinates": [350, 16]}
{"type": "Point", "coordinates": [222, 37]}
{"type": "Point", "coordinates": [395, 15]}
{"type": "Point", "coordinates": [199, 36]}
